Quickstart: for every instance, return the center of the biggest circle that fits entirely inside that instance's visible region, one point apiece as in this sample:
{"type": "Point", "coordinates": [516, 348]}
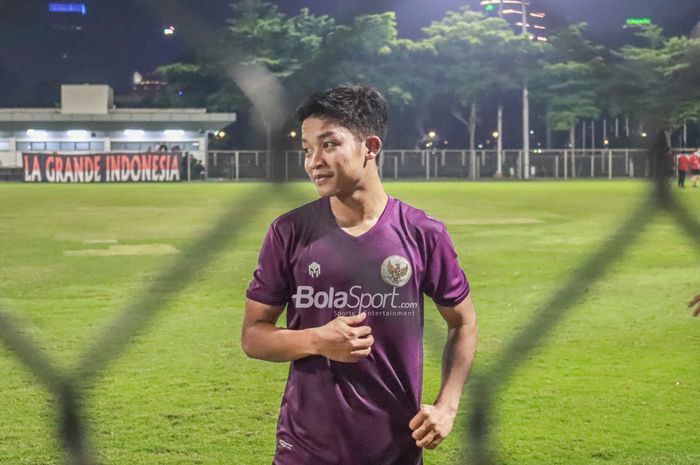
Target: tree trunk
{"type": "Point", "coordinates": [269, 164]}
{"type": "Point", "coordinates": [459, 117]}
{"type": "Point", "coordinates": [419, 123]}
{"type": "Point", "coordinates": [572, 141]}
{"type": "Point", "coordinates": [472, 138]}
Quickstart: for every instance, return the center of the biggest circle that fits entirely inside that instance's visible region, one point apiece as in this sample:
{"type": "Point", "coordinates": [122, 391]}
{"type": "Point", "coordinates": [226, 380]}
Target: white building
{"type": "Point", "coordinates": [88, 122]}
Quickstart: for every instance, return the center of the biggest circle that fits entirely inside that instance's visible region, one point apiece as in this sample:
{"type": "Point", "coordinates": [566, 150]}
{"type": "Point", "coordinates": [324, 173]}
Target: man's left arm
{"type": "Point", "coordinates": [433, 423]}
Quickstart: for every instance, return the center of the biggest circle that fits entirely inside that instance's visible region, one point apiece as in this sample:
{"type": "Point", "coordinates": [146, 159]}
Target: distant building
{"type": "Point", "coordinates": [67, 16]}
{"type": "Point", "coordinates": [88, 122]}
{"type": "Point", "coordinates": [148, 85]}
{"type": "Point", "coordinates": [512, 11]}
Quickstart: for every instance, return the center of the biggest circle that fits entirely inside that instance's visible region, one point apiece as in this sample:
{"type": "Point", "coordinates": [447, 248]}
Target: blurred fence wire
{"type": "Point", "coordinates": [484, 387]}
{"type": "Point", "coordinates": [70, 387]}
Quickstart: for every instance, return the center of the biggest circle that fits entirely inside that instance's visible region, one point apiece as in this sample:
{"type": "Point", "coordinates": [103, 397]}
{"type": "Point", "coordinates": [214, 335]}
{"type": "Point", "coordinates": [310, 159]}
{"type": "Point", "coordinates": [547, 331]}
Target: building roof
{"type": "Point", "coordinates": [14, 119]}
{"type": "Point", "coordinates": [91, 107]}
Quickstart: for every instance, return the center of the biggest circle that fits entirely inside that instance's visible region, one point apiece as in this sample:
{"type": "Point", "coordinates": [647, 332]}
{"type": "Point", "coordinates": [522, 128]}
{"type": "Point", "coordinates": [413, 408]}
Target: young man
{"type": "Point", "coordinates": [682, 169]}
{"type": "Point", "coordinates": [352, 268]}
{"type": "Point", "coordinates": [695, 168]}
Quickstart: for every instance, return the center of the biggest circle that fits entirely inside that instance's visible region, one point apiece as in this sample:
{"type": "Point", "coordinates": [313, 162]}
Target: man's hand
{"type": "Point", "coordinates": [343, 340]}
{"type": "Point", "coordinates": [431, 425]}
{"type": "Point", "coordinates": [696, 300]}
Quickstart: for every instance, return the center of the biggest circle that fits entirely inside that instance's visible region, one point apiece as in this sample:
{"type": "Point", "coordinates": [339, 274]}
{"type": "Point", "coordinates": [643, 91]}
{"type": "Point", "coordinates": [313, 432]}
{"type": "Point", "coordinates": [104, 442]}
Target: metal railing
{"type": "Point", "coordinates": [238, 165]}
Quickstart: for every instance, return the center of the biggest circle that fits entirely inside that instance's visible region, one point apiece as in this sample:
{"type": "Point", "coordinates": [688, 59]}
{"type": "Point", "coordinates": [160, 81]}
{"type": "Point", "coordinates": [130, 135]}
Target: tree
{"type": "Point", "coordinates": [480, 57]}
{"type": "Point", "coordinates": [657, 82]}
{"type": "Point", "coordinates": [568, 86]}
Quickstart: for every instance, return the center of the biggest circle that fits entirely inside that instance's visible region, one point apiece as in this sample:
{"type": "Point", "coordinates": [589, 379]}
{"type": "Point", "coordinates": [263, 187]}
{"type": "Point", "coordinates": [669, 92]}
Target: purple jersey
{"type": "Point", "coordinates": [336, 413]}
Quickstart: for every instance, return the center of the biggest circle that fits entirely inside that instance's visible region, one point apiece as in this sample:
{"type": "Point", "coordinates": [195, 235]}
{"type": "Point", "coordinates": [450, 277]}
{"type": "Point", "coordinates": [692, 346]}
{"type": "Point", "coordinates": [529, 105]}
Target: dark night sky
{"type": "Point", "coordinates": [122, 36]}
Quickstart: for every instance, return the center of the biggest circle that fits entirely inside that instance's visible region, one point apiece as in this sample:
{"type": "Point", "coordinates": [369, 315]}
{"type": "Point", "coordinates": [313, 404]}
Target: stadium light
{"type": "Point", "coordinates": [78, 134]}
{"type": "Point", "coordinates": [168, 31]}
{"type": "Point", "coordinates": [495, 134]}
{"type": "Point", "coordinates": [292, 134]}
{"type": "Point", "coordinates": [432, 134]}
{"type": "Point", "coordinates": [174, 133]}
{"type": "Point", "coordinates": [644, 135]}
{"type": "Point", "coordinates": [37, 134]}
{"type": "Point", "coordinates": [134, 133]}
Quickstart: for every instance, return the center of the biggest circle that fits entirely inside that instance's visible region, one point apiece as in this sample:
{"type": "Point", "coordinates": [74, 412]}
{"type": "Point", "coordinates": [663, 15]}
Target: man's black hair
{"type": "Point", "coordinates": [361, 109]}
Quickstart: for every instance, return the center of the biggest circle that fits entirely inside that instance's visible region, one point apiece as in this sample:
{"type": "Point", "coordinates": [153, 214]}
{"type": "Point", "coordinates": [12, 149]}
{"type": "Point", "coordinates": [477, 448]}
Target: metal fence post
{"type": "Point", "coordinates": [426, 160]}
{"type": "Point", "coordinates": [556, 166]}
{"type": "Point", "coordinates": [593, 165]}
{"type": "Point", "coordinates": [396, 167]}
{"type": "Point", "coordinates": [610, 173]}
{"type": "Point", "coordinates": [237, 158]}
{"type": "Point", "coordinates": [566, 164]}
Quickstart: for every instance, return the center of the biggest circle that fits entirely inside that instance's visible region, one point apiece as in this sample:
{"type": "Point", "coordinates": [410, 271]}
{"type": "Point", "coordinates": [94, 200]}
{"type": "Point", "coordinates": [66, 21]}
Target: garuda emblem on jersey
{"type": "Point", "coordinates": [396, 270]}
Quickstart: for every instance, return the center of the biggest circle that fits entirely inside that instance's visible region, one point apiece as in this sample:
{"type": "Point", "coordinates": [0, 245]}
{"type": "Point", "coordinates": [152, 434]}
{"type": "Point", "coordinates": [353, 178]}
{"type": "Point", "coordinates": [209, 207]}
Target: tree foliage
{"type": "Point", "coordinates": [463, 61]}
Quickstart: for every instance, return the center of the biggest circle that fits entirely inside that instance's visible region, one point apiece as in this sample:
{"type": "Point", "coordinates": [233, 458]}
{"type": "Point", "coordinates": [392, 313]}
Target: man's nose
{"type": "Point", "coordinates": [316, 159]}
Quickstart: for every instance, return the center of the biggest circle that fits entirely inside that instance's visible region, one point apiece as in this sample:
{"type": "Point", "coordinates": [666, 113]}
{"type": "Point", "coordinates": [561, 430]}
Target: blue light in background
{"type": "Point", "coordinates": [68, 8]}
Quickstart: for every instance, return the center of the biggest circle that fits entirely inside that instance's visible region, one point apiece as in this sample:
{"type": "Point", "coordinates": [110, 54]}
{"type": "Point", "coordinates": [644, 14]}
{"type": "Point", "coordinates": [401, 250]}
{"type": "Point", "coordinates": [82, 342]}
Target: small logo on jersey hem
{"type": "Point", "coordinates": [285, 444]}
{"type": "Point", "coordinates": [314, 270]}
{"type": "Point", "coordinates": [396, 270]}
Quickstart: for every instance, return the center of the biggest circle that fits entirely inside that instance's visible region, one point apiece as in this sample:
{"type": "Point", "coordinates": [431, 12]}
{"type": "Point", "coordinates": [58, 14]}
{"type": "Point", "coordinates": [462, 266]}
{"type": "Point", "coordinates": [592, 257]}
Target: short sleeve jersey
{"type": "Point", "coordinates": [336, 413]}
{"type": "Point", "coordinates": [695, 162]}
{"type": "Point", "coordinates": [683, 162]}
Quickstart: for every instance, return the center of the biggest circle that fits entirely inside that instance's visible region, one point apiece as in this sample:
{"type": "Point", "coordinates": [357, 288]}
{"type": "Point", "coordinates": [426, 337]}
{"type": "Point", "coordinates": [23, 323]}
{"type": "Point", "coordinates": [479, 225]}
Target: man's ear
{"type": "Point", "coordinates": [373, 144]}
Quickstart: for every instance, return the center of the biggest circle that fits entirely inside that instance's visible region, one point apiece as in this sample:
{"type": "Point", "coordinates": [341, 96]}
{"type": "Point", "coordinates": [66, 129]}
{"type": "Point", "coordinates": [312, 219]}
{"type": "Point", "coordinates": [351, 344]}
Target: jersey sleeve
{"type": "Point", "coordinates": [444, 281]}
{"type": "Point", "coordinates": [270, 284]}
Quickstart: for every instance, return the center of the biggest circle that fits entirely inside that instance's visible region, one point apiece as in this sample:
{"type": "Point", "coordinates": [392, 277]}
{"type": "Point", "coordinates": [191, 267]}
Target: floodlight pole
{"type": "Point", "coordinates": [499, 143]}
{"type": "Point", "coordinates": [526, 108]}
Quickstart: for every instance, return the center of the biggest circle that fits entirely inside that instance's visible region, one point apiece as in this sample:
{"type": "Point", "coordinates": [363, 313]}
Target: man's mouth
{"type": "Point", "coordinates": [319, 176]}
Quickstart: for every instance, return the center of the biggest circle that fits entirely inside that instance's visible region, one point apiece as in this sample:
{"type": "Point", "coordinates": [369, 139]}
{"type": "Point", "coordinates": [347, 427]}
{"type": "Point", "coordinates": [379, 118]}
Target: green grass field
{"type": "Point", "coordinates": [617, 382]}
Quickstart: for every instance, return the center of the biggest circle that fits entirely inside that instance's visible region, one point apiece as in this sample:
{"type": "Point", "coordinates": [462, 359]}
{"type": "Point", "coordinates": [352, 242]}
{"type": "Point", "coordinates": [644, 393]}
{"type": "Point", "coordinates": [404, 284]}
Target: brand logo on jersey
{"type": "Point", "coordinates": [314, 270]}
{"type": "Point", "coordinates": [353, 298]}
{"type": "Point", "coordinates": [396, 270]}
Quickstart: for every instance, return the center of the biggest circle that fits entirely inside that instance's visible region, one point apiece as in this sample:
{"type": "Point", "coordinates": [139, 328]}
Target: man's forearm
{"type": "Point", "coordinates": [266, 341]}
{"type": "Point", "coordinates": [457, 359]}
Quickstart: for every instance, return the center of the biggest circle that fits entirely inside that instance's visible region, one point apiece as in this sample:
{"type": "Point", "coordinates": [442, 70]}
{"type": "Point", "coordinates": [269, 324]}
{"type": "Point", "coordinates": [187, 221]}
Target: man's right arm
{"type": "Point", "coordinates": [342, 339]}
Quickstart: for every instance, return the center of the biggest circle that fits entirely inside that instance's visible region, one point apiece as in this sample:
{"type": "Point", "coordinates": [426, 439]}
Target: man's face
{"type": "Point", "coordinates": [335, 158]}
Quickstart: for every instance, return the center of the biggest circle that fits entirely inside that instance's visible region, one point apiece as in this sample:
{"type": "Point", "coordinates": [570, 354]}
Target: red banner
{"type": "Point", "coordinates": [104, 167]}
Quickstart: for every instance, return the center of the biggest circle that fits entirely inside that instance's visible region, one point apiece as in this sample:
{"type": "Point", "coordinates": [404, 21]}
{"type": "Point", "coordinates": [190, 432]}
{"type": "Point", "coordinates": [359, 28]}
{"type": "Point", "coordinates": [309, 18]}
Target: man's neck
{"type": "Point", "coordinates": [360, 210]}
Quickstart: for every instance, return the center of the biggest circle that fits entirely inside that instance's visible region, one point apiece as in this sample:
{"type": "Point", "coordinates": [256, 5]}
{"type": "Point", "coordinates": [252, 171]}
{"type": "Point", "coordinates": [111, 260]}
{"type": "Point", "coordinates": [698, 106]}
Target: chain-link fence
{"type": "Point", "coordinates": [70, 387]}
{"type": "Point", "coordinates": [238, 165]}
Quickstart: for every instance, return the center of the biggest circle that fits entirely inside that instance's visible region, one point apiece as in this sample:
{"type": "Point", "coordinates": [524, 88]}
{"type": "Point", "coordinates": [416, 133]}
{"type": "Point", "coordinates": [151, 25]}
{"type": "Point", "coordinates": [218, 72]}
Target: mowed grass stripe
{"type": "Point", "coordinates": [616, 382]}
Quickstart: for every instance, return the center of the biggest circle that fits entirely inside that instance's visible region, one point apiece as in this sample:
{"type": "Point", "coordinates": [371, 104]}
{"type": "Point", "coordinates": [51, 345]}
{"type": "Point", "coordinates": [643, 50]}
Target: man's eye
{"type": "Point", "coordinates": [328, 145]}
